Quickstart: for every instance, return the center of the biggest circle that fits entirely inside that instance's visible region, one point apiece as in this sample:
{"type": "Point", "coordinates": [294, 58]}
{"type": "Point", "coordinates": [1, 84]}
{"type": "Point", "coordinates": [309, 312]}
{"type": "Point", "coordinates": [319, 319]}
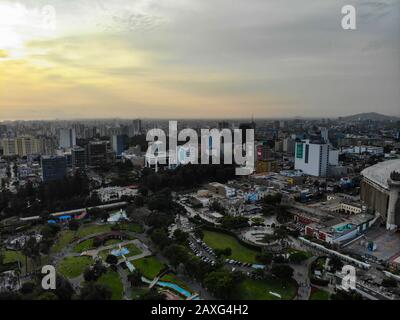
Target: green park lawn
{"type": "Point", "coordinates": [137, 292]}
{"type": "Point", "coordinates": [64, 238]}
{"type": "Point", "coordinates": [112, 280]}
{"type": "Point", "coordinates": [89, 229]}
{"type": "Point", "coordinates": [84, 246]}
{"type": "Point", "coordinates": [250, 289]}
{"type": "Point", "coordinates": [110, 242]}
{"type": "Point", "coordinates": [132, 227]}
{"type": "Point", "coordinates": [150, 267]}
{"type": "Point", "coordinates": [318, 294]}
{"type": "Point", "coordinates": [72, 267]}
{"type": "Point", "coordinates": [12, 256]}
{"type": "Point", "coordinates": [217, 240]}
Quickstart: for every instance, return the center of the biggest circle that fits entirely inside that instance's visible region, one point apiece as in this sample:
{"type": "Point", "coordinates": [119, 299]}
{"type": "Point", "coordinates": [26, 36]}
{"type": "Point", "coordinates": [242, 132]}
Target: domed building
{"type": "Point", "coordinates": [380, 188]}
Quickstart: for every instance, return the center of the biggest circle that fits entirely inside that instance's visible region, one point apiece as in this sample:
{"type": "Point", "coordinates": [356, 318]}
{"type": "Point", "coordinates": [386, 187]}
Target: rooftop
{"type": "Point", "coordinates": [380, 173]}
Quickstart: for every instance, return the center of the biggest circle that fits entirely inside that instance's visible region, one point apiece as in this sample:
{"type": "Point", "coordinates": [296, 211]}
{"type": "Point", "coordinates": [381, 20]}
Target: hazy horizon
{"type": "Point", "coordinates": [187, 59]}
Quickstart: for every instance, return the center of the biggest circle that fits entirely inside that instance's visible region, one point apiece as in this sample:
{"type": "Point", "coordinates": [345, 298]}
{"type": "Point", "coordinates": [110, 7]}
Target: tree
{"type": "Point", "coordinates": [160, 237]}
{"type": "Point", "coordinates": [282, 271]}
{"type": "Point", "coordinates": [265, 258]}
{"type": "Point", "coordinates": [27, 287]}
{"type": "Point", "coordinates": [298, 257]}
{"type": "Point", "coordinates": [92, 273]}
{"type": "Point", "coordinates": [73, 225]}
{"type": "Point", "coordinates": [389, 283]}
{"type": "Point", "coordinates": [230, 222]}
{"type": "Point", "coordinates": [344, 295]}
{"type": "Point", "coordinates": [138, 201]}
{"type": "Point", "coordinates": [180, 236]}
{"type": "Point", "coordinates": [335, 263]}
{"type": "Point", "coordinates": [272, 199]}
{"type": "Point", "coordinates": [176, 254]}
{"type": "Point", "coordinates": [222, 284]}
{"type": "Point", "coordinates": [152, 294]}
{"type": "Point", "coordinates": [223, 252]}
{"type": "Point", "coordinates": [64, 289]}
{"type": "Point", "coordinates": [47, 296]}
{"type": "Point", "coordinates": [135, 278]}
{"type": "Point", "coordinates": [95, 291]}
{"type": "Point", "coordinates": [111, 259]}
{"type": "Point", "coordinates": [31, 249]}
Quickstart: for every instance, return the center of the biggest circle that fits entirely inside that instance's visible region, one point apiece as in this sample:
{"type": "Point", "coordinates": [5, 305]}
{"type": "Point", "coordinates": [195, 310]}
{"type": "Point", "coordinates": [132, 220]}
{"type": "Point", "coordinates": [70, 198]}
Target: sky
{"type": "Point", "coordinates": [68, 59]}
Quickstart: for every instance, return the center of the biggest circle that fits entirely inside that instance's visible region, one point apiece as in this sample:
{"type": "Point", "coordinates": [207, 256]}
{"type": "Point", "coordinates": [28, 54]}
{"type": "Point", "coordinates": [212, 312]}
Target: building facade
{"type": "Point", "coordinates": [312, 158]}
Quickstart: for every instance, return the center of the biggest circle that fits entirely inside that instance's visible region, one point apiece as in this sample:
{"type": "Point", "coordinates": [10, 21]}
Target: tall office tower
{"type": "Point", "coordinates": [118, 144]}
{"type": "Point", "coordinates": [136, 128]}
{"type": "Point", "coordinates": [67, 138]}
{"type": "Point", "coordinates": [325, 134]}
{"type": "Point", "coordinates": [78, 155]}
{"type": "Point", "coordinates": [312, 158]}
{"type": "Point", "coordinates": [79, 130]}
{"type": "Point", "coordinates": [264, 151]}
{"type": "Point", "coordinates": [96, 152]}
{"type": "Point", "coordinates": [47, 146]}
{"type": "Point", "coordinates": [53, 168]}
{"type": "Point", "coordinates": [3, 130]}
{"type": "Point", "coordinates": [288, 146]}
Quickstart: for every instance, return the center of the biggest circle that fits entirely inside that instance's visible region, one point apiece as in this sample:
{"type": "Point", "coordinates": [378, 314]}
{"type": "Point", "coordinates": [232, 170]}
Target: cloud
{"type": "Point", "coordinates": [178, 57]}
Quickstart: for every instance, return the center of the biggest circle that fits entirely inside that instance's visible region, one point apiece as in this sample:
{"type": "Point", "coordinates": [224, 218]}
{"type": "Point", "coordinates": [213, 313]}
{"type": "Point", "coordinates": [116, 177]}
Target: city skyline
{"type": "Point", "coordinates": [197, 59]}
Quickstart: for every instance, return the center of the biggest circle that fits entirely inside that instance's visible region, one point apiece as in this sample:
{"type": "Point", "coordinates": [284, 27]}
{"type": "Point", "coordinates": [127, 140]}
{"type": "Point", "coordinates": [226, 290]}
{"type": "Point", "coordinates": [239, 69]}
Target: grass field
{"type": "Point", "coordinates": [150, 267]}
{"type": "Point", "coordinates": [13, 256]}
{"type": "Point", "coordinates": [72, 267]}
{"type": "Point", "coordinates": [317, 294]}
{"type": "Point", "coordinates": [112, 280]}
{"type": "Point", "coordinates": [132, 227]}
{"type": "Point", "coordinates": [65, 237]}
{"type": "Point", "coordinates": [137, 292]}
{"type": "Point", "coordinates": [89, 229]}
{"type": "Point", "coordinates": [217, 240]}
{"type": "Point", "coordinates": [110, 242]}
{"type": "Point", "coordinates": [84, 246]}
{"type": "Point", "coordinates": [250, 289]}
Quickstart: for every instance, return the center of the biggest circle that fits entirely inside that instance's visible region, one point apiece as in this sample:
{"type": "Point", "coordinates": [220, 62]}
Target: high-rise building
{"type": "Point", "coordinates": [9, 147]}
{"type": "Point", "coordinates": [78, 158]}
{"type": "Point", "coordinates": [312, 158]}
{"type": "Point", "coordinates": [325, 134]}
{"type": "Point", "coordinates": [118, 144]}
{"type": "Point", "coordinates": [67, 138]}
{"type": "Point", "coordinates": [21, 146]}
{"type": "Point", "coordinates": [288, 146]}
{"type": "Point", "coordinates": [136, 128]}
{"type": "Point", "coordinates": [96, 153]}
{"type": "Point", "coordinates": [264, 151]}
{"type": "Point", "coordinates": [53, 168]}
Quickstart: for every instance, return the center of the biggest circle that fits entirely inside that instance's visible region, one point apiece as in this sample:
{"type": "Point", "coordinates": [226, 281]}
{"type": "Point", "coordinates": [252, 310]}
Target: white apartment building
{"type": "Point", "coordinates": [312, 158]}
